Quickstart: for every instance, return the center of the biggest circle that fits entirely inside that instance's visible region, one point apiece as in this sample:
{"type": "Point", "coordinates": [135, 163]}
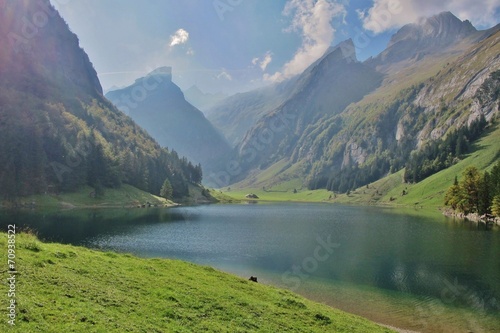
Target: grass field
{"type": "Point", "coordinates": [61, 288]}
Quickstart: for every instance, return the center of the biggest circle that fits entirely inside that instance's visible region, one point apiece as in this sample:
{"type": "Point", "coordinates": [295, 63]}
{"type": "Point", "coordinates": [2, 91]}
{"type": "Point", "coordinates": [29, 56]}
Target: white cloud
{"type": "Point", "coordinates": [264, 62]}
{"type": "Point", "coordinates": [224, 75]}
{"type": "Point", "coordinates": [268, 58]}
{"type": "Point", "coordinates": [390, 14]}
{"type": "Point", "coordinates": [312, 20]}
{"type": "Point", "coordinates": [181, 36]}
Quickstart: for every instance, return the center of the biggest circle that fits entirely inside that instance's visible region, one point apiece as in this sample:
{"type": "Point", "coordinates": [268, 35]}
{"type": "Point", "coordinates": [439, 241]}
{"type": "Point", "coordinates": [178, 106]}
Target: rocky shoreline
{"type": "Point", "coordinates": [474, 217]}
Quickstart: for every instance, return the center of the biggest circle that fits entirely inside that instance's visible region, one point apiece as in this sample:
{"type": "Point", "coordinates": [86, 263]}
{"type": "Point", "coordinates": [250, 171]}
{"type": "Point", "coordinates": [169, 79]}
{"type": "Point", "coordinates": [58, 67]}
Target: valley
{"type": "Point", "coordinates": [154, 160]}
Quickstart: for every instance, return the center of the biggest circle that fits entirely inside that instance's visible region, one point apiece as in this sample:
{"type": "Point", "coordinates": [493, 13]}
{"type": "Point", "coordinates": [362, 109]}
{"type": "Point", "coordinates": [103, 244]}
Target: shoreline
{"type": "Point", "coordinates": [398, 208]}
{"type": "Point", "coordinates": [473, 217]}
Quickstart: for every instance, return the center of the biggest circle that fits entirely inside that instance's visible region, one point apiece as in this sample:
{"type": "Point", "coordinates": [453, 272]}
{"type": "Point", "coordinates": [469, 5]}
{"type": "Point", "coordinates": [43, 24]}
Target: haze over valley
{"type": "Point", "coordinates": [250, 165]}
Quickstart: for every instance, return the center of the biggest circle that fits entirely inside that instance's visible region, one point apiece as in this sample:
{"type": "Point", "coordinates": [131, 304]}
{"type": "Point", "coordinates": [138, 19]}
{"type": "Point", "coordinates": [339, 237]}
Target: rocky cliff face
{"type": "Point", "coordinates": [427, 37]}
{"type": "Point", "coordinates": [461, 87]}
{"type": "Point", "coordinates": [39, 41]}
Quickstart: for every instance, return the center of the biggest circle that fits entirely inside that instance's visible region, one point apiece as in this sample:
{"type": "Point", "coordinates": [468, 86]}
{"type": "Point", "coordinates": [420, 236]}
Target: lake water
{"type": "Point", "coordinates": [427, 274]}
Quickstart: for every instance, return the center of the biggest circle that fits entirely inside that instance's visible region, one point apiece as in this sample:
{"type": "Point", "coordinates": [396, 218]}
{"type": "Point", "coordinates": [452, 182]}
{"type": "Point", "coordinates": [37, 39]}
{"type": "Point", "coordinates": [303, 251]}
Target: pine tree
{"type": "Point", "coordinates": [484, 196]}
{"type": "Point", "coordinates": [167, 190]}
{"type": "Point", "coordinates": [454, 196]}
{"type": "Point", "coordinates": [470, 187]}
{"type": "Point", "coordinates": [495, 207]}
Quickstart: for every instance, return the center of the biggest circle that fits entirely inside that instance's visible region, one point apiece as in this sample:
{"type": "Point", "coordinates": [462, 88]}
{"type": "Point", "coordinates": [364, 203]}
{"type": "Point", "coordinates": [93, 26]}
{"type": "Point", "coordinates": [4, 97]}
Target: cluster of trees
{"type": "Point", "coordinates": [476, 192]}
{"type": "Point", "coordinates": [58, 133]}
{"type": "Point", "coordinates": [353, 177]}
{"type": "Point", "coordinates": [60, 147]}
{"type": "Point", "coordinates": [441, 154]}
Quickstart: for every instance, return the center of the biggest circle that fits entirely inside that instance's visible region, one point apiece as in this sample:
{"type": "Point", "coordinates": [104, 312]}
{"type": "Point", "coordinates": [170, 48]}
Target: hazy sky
{"type": "Point", "coordinates": [235, 45]}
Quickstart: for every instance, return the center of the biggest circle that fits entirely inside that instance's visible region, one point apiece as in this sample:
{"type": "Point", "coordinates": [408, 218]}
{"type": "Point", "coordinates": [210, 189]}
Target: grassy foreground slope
{"type": "Point", "coordinates": [63, 288]}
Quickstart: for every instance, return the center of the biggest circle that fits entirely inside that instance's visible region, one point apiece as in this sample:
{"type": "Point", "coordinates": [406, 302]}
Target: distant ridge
{"type": "Point", "coordinates": [158, 105]}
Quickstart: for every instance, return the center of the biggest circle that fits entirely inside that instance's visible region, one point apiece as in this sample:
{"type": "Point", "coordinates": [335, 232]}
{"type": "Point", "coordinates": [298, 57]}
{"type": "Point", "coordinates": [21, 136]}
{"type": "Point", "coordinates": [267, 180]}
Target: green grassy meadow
{"type": "Point", "coordinates": [62, 288]}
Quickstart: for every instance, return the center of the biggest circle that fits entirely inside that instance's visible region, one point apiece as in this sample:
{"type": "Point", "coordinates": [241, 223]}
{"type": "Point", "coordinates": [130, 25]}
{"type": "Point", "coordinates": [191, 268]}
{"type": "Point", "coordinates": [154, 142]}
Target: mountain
{"type": "Point", "coordinates": [158, 105]}
{"type": "Point", "coordinates": [202, 101]}
{"type": "Point", "coordinates": [235, 115]}
{"type": "Point", "coordinates": [345, 124]}
{"type": "Point", "coordinates": [323, 90]}
{"type": "Point", "coordinates": [430, 36]}
{"type": "Point", "coordinates": [57, 131]}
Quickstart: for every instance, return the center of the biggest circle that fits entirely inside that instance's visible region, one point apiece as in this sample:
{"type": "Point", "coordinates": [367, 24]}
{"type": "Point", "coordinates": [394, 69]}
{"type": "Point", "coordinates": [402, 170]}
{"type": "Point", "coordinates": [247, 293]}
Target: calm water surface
{"type": "Point", "coordinates": [427, 274]}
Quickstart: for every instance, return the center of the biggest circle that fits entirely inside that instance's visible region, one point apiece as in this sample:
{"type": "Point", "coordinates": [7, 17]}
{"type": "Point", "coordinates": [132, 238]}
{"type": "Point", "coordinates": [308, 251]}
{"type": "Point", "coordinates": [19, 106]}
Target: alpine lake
{"type": "Point", "coordinates": [421, 272]}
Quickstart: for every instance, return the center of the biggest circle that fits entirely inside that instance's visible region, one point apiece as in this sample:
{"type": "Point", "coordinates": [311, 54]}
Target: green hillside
{"type": "Point", "coordinates": [61, 288]}
{"type": "Point", "coordinates": [57, 131]}
{"type": "Point", "coordinates": [428, 193]}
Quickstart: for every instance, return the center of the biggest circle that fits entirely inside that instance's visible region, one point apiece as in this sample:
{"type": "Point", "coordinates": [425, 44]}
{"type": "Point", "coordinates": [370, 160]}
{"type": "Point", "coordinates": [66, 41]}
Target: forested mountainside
{"type": "Point", "coordinates": [57, 131]}
{"type": "Point", "coordinates": [419, 105]}
{"type": "Point", "coordinates": [162, 110]}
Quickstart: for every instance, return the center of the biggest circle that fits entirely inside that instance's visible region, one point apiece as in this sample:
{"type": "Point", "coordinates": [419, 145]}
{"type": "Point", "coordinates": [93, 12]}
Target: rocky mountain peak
{"type": "Point", "coordinates": [443, 28]}
{"type": "Point", "coordinates": [162, 71]}
{"type": "Point", "coordinates": [428, 36]}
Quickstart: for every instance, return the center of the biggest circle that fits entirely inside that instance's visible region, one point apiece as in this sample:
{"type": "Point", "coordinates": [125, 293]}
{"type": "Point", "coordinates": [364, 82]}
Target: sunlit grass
{"type": "Point", "coordinates": [63, 288]}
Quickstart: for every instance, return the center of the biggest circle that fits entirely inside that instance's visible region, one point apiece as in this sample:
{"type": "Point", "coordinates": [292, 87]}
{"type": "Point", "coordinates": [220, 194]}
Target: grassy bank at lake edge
{"type": "Point", "coordinates": [62, 288]}
{"type": "Point", "coordinates": [125, 196]}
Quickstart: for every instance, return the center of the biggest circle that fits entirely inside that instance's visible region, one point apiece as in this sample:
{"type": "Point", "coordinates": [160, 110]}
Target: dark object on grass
{"type": "Point", "coordinates": [253, 278]}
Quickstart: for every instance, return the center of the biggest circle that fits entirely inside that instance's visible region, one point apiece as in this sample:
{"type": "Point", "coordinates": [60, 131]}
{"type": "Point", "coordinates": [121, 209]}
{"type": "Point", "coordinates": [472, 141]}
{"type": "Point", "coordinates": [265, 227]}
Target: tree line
{"type": "Point", "coordinates": [476, 192]}
{"type": "Point", "coordinates": [60, 147]}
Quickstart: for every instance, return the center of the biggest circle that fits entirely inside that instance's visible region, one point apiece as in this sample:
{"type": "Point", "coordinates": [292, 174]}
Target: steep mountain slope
{"type": "Point", "coordinates": [322, 91]}
{"type": "Point", "coordinates": [438, 77]}
{"type": "Point", "coordinates": [378, 137]}
{"type": "Point", "coordinates": [236, 114]}
{"type": "Point", "coordinates": [159, 106]}
{"type": "Point", "coordinates": [57, 131]}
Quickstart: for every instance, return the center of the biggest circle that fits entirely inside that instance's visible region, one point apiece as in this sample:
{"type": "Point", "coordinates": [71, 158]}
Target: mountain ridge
{"type": "Point", "coordinates": [59, 133]}
{"type": "Point", "coordinates": [158, 105]}
{"type": "Point", "coordinates": [366, 135]}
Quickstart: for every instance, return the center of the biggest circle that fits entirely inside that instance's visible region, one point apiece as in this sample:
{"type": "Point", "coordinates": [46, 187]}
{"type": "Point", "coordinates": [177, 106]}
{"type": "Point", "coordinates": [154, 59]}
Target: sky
{"type": "Point", "coordinates": [232, 46]}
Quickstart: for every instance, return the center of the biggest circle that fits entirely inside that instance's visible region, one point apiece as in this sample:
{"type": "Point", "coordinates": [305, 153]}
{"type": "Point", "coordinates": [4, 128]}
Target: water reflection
{"type": "Point", "coordinates": [436, 262]}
